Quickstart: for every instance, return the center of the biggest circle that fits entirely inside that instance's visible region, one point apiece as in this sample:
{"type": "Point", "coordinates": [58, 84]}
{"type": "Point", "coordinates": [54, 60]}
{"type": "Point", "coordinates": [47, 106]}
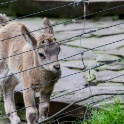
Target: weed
{"type": "Point", "coordinates": [107, 114]}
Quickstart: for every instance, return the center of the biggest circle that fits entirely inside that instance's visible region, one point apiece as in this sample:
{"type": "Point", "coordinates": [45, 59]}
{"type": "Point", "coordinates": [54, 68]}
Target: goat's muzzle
{"type": "Point", "coordinates": [55, 67]}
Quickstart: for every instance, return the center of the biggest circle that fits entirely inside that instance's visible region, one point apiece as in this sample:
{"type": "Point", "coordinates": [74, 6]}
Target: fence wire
{"type": "Point", "coordinates": [71, 20]}
{"type": "Point", "coordinates": [74, 3]}
{"type": "Point", "coordinates": [61, 77]}
{"type": "Point", "coordinates": [54, 8]}
{"type": "Point", "coordinates": [67, 76]}
{"type": "Point", "coordinates": [81, 52]}
{"type": "Point", "coordinates": [65, 114]}
{"type": "Point", "coordinates": [93, 67]}
{"type": "Point", "coordinates": [76, 36]}
{"type": "Point", "coordinates": [96, 66]}
{"type": "Point", "coordinates": [75, 102]}
{"type": "Point", "coordinates": [52, 62]}
{"type": "Point", "coordinates": [93, 102]}
{"type": "Point", "coordinates": [8, 2]}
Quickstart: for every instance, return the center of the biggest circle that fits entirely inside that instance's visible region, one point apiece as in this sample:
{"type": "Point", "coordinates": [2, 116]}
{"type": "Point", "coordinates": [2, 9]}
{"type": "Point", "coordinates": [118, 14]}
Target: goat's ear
{"type": "Point", "coordinates": [47, 26]}
{"type": "Point", "coordinates": [29, 37]}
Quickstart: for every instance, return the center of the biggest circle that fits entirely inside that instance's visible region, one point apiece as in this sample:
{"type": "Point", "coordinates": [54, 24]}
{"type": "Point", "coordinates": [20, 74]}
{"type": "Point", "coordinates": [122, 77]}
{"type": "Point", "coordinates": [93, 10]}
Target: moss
{"type": "Point", "coordinates": [116, 17]}
{"type": "Point", "coordinates": [72, 46]}
{"type": "Point", "coordinates": [90, 77]}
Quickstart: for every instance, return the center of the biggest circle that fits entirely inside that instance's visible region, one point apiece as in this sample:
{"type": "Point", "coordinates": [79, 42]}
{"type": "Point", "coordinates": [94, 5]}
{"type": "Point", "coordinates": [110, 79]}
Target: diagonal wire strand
{"type": "Point", "coordinates": [93, 67]}
{"type": "Point", "coordinates": [55, 61]}
{"type": "Point", "coordinates": [64, 6]}
{"type": "Point", "coordinates": [67, 22]}
{"type": "Point", "coordinates": [96, 66]}
{"type": "Point", "coordinates": [8, 2]}
{"type": "Point", "coordinates": [97, 101]}
{"type": "Point", "coordinates": [75, 102]}
{"type": "Point", "coordinates": [79, 35]}
{"type": "Point", "coordinates": [35, 13]}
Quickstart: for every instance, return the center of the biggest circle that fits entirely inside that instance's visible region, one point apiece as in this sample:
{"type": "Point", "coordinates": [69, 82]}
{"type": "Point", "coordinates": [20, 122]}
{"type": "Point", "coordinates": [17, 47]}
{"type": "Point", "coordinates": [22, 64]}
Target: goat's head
{"type": "Point", "coordinates": [47, 48]}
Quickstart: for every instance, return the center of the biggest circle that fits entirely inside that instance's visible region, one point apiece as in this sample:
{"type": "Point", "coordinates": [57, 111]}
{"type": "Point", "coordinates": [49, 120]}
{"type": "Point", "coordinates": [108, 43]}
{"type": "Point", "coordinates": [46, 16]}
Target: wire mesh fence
{"type": "Point", "coordinates": [60, 114]}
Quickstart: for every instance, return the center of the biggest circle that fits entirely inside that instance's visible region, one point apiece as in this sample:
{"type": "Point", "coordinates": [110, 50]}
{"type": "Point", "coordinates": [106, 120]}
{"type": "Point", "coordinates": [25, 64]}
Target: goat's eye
{"type": "Point", "coordinates": [42, 41]}
{"type": "Point", "coordinates": [42, 55]}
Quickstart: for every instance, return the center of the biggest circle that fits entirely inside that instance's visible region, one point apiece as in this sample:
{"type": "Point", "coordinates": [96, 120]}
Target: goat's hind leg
{"type": "Point", "coordinates": [9, 101]}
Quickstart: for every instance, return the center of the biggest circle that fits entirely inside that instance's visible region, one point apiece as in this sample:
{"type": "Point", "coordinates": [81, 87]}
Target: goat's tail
{"type": "Point", "coordinates": [3, 20]}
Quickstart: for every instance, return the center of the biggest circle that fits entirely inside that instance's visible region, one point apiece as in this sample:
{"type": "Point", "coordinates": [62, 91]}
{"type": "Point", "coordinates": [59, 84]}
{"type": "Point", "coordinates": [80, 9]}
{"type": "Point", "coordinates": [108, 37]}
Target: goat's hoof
{"type": "Point", "coordinates": [32, 118]}
{"type": "Point", "coordinates": [15, 120]}
{"type": "Point", "coordinates": [40, 119]}
{"type": "Point", "coordinates": [16, 123]}
{"type": "Point", "coordinates": [19, 123]}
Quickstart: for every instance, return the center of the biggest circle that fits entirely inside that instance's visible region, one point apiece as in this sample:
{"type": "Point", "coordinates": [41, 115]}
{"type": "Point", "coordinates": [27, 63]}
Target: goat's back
{"type": "Point", "coordinates": [11, 43]}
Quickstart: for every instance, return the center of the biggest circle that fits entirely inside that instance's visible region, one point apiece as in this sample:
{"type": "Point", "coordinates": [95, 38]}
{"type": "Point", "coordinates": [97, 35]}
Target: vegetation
{"type": "Point", "coordinates": [107, 114]}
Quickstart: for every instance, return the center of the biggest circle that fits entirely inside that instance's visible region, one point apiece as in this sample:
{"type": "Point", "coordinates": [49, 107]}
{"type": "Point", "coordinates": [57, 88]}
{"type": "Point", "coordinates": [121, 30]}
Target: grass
{"type": "Point", "coordinates": [107, 114]}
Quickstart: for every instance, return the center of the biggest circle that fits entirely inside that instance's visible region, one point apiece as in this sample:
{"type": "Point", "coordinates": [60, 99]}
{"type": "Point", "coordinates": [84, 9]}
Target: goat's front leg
{"type": "Point", "coordinates": [44, 105]}
{"type": "Point", "coordinates": [31, 111]}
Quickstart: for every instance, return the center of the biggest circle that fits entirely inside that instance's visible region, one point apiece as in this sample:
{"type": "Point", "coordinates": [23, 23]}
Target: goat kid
{"type": "Point", "coordinates": [47, 52]}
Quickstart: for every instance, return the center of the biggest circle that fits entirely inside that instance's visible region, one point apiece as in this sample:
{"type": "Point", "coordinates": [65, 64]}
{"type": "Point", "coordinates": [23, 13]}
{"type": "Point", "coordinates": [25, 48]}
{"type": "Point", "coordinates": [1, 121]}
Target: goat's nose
{"type": "Point", "coordinates": [57, 67]}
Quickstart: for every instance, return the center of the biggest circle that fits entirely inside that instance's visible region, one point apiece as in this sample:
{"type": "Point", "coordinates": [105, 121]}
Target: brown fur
{"type": "Point", "coordinates": [47, 46]}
